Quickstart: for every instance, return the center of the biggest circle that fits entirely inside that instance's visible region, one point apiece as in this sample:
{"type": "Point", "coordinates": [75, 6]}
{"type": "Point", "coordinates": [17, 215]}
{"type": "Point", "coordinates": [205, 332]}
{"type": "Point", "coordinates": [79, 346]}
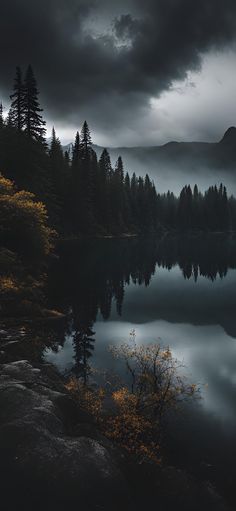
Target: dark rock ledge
{"type": "Point", "coordinates": [53, 458]}
{"type": "Point", "coordinates": [44, 465]}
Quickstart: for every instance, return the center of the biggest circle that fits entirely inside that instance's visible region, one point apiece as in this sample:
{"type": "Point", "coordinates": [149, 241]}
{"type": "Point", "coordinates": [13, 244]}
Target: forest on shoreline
{"type": "Point", "coordinates": [46, 192]}
{"type": "Point", "coordinates": [87, 196]}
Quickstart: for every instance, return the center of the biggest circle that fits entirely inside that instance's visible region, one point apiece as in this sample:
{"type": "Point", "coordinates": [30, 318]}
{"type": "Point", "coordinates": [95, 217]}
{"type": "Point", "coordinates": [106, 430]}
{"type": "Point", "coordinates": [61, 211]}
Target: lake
{"type": "Point", "coordinates": [177, 291]}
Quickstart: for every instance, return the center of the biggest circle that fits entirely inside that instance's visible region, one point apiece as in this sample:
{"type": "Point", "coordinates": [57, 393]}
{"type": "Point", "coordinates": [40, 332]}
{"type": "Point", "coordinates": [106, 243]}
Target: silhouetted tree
{"type": "Point", "coordinates": [10, 119]}
{"type": "Point", "coordinates": [67, 157]}
{"type": "Point", "coordinates": [33, 121]}
{"type": "Point", "coordinates": [1, 116]}
{"type": "Point", "coordinates": [17, 101]}
{"type": "Point", "coordinates": [83, 345]}
{"type": "Point", "coordinates": [57, 162]}
{"type": "Point", "coordinates": [84, 166]}
{"type": "Point", "coordinates": [105, 172]}
{"type": "Point", "coordinates": [86, 140]}
{"type": "Point", "coordinates": [84, 196]}
{"type": "Point", "coordinates": [117, 196]}
{"type": "Point", "coordinates": [76, 150]}
{"type": "Point", "coordinates": [120, 169]}
{"type": "Point", "coordinates": [59, 180]}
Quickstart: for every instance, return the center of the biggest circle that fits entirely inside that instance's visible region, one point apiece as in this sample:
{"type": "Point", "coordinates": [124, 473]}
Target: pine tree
{"type": "Point", "coordinates": [86, 140]}
{"type": "Point", "coordinates": [127, 182]}
{"type": "Point", "coordinates": [118, 199]}
{"type": "Point", "coordinates": [133, 197]}
{"type": "Point", "coordinates": [197, 216]}
{"type": "Point", "coordinates": [83, 345]}
{"type": "Point", "coordinates": [17, 101]}
{"type": "Point", "coordinates": [33, 121]}
{"type": "Point", "coordinates": [58, 172]}
{"type": "Point", "coordinates": [55, 150]}
{"type": "Point", "coordinates": [225, 220]}
{"type": "Point", "coordinates": [10, 119]}
{"type": "Point", "coordinates": [76, 150]}
{"type": "Point", "coordinates": [184, 212]}
{"type": "Point", "coordinates": [127, 202]}
{"type": "Point", "coordinates": [1, 115]}
{"type": "Point", "coordinates": [67, 157]}
{"type": "Point", "coordinates": [104, 189]}
{"type": "Point", "coordinates": [105, 164]}
{"type": "Point", "coordinates": [84, 166]}
{"type": "Point", "coordinates": [119, 168]}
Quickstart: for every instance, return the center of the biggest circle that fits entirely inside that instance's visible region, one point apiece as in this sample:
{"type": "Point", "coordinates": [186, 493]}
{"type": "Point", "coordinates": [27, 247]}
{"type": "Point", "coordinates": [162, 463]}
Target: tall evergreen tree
{"type": "Point", "coordinates": [84, 165]}
{"type": "Point", "coordinates": [184, 212]}
{"type": "Point", "coordinates": [55, 151]}
{"type": "Point", "coordinates": [118, 198]}
{"type": "Point", "coordinates": [225, 220]}
{"type": "Point", "coordinates": [59, 177]}
{"type": "Point", "coordinates": [104, 198]}
{"type": "Point", "coordinates": [119, 168]}
{"type": "Point", "coordinates": [127, 182]}
{"type": "Point", "coordinates": [33, 121]}
{"type": "Point", "coordinates": [105, 164]}
{"type": "Point", "coordinates": [83, 345]}
{"type": "Point", "coordinates": [127, 202]}
{"type": "Point", "coordinates": [10, 119]}
{"type": "Point", "coordinates": [1, 115]}
{"type": "Point", "coordinates": [17, 101]}
{"type": "Point", "coordinates": [67, 157]}
{"type": "Point", "coordinates": [86, 140]}
{"type": "Point", "coordinates": [76, 150]}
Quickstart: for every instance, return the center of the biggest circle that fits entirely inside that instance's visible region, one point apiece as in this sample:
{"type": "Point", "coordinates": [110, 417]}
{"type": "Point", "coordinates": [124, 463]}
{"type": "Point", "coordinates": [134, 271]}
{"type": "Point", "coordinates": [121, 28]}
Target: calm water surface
{"type": "Point", "coordinates": [179, 292]}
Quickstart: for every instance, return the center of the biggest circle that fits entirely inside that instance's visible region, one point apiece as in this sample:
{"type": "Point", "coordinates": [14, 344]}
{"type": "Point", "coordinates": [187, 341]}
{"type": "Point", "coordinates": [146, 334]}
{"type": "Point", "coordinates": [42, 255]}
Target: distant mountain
{"type": "Point", "coordinates": [176, 163]}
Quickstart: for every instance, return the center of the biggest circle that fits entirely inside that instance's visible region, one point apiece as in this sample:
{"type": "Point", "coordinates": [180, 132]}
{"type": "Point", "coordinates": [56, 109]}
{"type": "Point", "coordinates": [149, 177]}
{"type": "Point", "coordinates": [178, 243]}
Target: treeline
{"type": "Point", "coordinates": [194, 210]}
{"type": "Point", "coordinates": [78, 289]}
{"type": "Point", "coordinates": [85, 195]}
{"type": "Point", "coordinates": [82, 194]}
{"type": "Point", "coordinates": [96, 197]}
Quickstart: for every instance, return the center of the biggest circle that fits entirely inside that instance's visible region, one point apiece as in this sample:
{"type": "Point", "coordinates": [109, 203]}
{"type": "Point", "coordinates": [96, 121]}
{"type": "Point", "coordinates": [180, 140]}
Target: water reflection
{"type": "Point", "coordinates": [89, 279]}
{"type": "Point", "coordinates": [83, 343]}
{"type": "Point", "coordinates": [179, 290]}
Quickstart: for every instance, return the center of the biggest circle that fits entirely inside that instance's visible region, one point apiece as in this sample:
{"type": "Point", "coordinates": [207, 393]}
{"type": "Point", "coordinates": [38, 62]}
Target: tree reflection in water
{"type": "Point", "coordinates": [89, 276]}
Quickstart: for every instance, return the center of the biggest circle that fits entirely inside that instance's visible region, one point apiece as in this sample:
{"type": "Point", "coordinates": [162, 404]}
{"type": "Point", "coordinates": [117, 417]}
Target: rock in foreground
{"type": "Point", "coordinates": [44, 466]}
{"type": "Point", "coordinates": [53, 458]}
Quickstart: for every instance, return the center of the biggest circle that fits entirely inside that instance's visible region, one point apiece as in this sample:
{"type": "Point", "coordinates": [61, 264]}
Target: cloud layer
{"type": "Point", "coordinates": [106, 63]}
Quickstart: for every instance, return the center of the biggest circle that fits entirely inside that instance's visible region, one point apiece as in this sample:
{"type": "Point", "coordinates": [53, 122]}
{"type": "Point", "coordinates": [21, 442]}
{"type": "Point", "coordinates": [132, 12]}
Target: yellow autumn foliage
{"type": "Point", "coordinates": [89, 400]}
{"type": "Point", "coordinates": [23, 222]}
{"type": "Point", "coordinates": [7, 284]}
{"type": "Point", "coordinates": [131, 415]}
{"type": "Point", "coordinates": [25, 241]}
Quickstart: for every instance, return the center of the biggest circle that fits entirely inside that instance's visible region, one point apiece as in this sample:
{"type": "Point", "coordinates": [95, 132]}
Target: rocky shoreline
{"type": "Point", "coordinates": [42, 455]}
{"type": "Point", "coordinates": [53, 456]}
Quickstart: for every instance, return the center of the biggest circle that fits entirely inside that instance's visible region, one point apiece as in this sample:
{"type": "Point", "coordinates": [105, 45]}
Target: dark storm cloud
{"type": "Point", "coordinates": [126, 27]}
{"type": "Point", "coordinates": [108, 77]}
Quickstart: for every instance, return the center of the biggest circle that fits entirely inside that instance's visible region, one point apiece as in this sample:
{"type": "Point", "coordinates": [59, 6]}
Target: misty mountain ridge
{"type": "Point", "coordinates": [174, 164]}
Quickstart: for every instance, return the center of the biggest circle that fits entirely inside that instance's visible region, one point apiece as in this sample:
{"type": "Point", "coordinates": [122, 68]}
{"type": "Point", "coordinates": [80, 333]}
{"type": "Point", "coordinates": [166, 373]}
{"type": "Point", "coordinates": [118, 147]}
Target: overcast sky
{"type": "Point", "coordinates": [140, 72]}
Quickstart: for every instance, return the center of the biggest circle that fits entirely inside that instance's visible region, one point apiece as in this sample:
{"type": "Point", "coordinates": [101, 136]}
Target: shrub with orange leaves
{"type": "Point", "coordinates": [23, 222]}
{"type": "Point", "coordinates": [89, 399]}
{"type": "Point", "coordinates": [25, 240]}
{"type": "Point", "coordinates": [130, 429]}
{"type": "Point", "coordinates": [133, 418]}
{"type": "Point", "coordinates": [155, 378]}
